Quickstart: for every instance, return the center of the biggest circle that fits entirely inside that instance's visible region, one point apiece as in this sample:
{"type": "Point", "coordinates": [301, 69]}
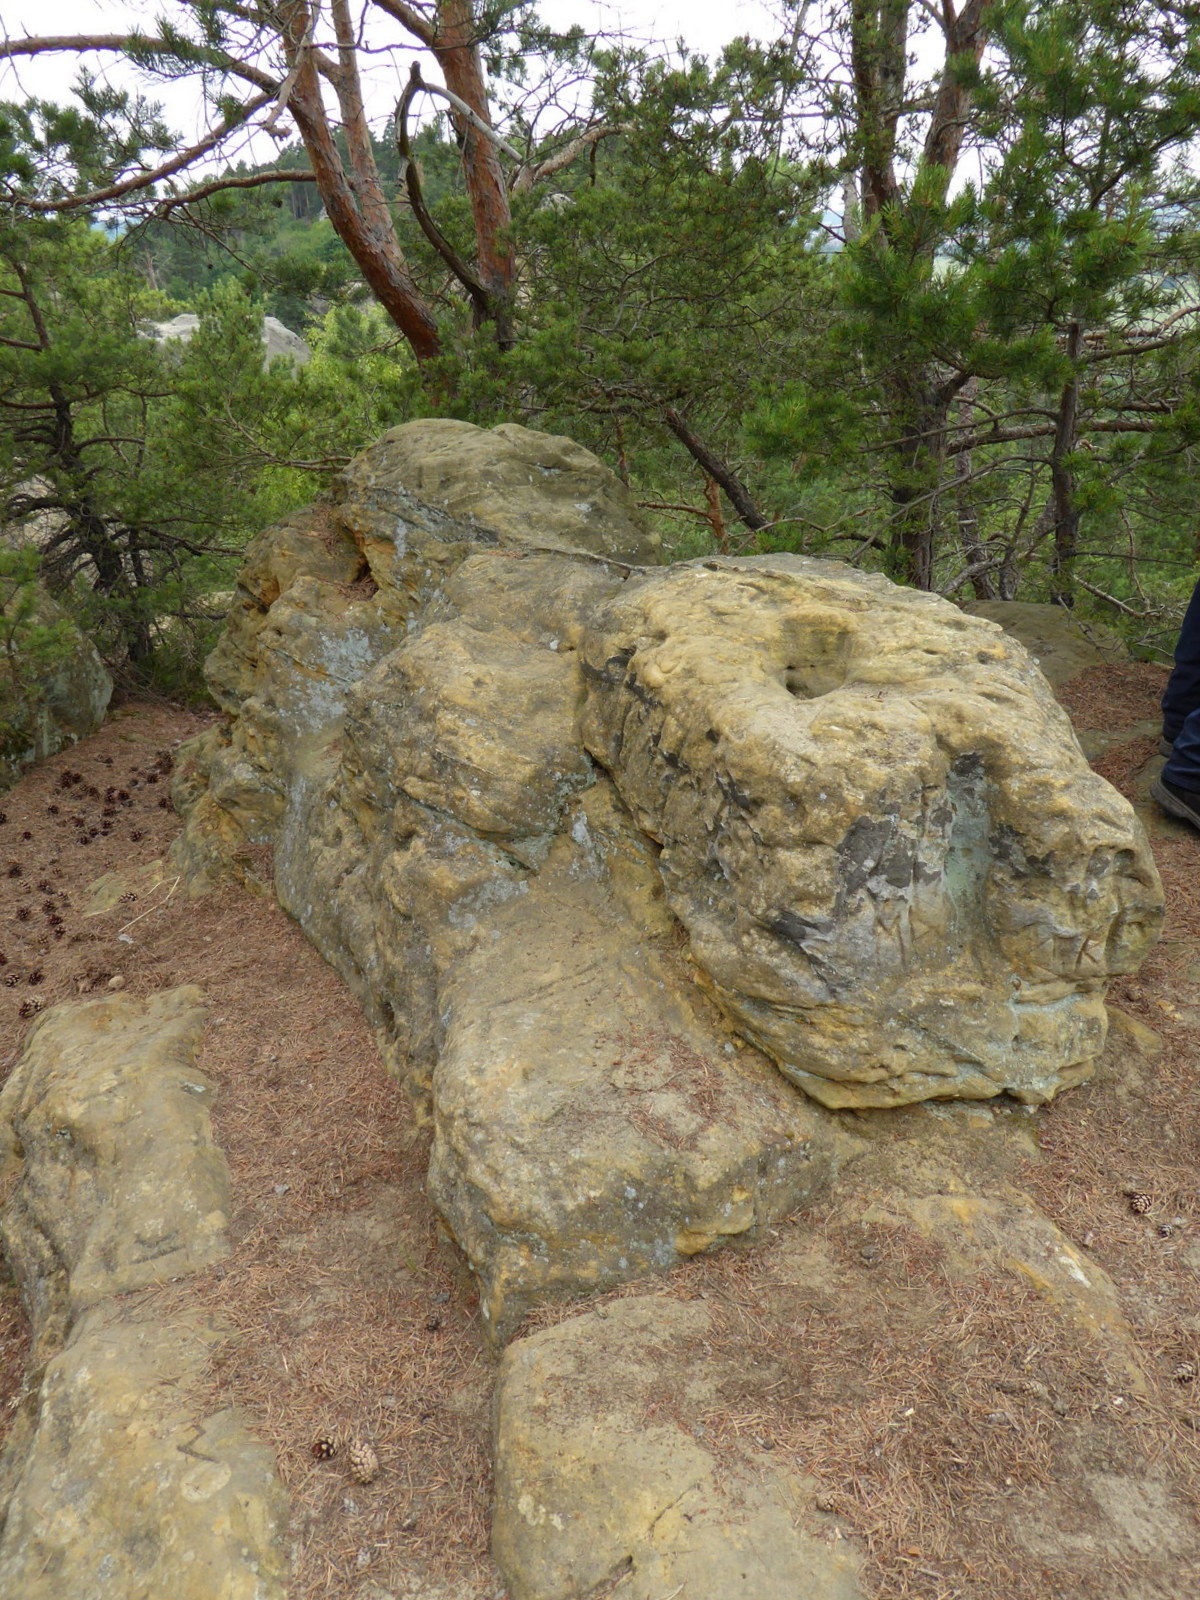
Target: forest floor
{"type": "Point", "coordinates": [355, 1316]}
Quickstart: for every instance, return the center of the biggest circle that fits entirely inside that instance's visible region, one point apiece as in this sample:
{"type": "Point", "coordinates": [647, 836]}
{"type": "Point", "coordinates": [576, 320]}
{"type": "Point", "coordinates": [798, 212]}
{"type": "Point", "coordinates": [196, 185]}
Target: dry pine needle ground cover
{"type": "Point", "coordinates": [928, 1406]}
{"type": "Point", "coordinates": [351, 1318]}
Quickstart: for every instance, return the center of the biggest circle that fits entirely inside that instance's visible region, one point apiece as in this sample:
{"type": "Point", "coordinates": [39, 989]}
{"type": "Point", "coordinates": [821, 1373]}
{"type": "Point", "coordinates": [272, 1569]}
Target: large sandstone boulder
{"type": "Point", "coordinates": [896, 868]}
{"type": "Point", "coordinates": [593, 1120]}
{"type": "Point", "coordinates": [578, 831]}
{"type": "Point", "coordinates": [1062, 644]}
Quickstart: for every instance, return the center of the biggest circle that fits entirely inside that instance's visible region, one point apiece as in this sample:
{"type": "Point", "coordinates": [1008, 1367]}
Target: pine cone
{"type": "Point", "coordinates": [364, 1463]}
{"type": "Point", "coordinates": [1185, 1372]}
{"type": "Point", "coordinates": [324, 1449]}
{"type": "Point", "coordinates": [1139, 1204]}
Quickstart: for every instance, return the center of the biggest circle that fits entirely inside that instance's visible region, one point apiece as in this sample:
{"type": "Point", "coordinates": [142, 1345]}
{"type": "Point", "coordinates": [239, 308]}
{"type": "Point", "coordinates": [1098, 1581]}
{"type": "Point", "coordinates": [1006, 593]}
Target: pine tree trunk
{"type": "Point", "coordinates": [1063, 486]}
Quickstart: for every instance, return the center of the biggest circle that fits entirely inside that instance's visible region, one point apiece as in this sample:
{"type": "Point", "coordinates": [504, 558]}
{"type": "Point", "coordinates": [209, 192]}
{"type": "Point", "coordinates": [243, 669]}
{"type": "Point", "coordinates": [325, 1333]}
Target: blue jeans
{"type": "Point", "coordinates": [1181, 703]}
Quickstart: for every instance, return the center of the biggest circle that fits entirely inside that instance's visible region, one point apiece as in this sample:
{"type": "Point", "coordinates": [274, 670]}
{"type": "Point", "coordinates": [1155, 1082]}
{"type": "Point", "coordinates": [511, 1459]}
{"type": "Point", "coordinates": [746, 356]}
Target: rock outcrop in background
{"type": "Point", "coordinates": [277, 338]}
{"type": "Point", "coordinates": [597, 842]}
{"type": "Point", "coordinates": [45, 709]}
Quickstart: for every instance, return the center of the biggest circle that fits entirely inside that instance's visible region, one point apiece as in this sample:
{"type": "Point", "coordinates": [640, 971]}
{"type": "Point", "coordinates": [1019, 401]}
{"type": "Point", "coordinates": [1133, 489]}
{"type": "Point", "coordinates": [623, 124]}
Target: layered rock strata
{"type": "Point", "coordinates": [578, 830]}
{"type": "Point", "coordinates": [116, 1479]}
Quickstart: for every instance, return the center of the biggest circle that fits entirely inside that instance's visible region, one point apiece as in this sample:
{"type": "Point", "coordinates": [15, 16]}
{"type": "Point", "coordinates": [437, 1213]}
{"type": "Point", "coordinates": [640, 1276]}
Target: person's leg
{"type": "Point", "coordinates": [1182, 694]}
{"type": "Point", "coordinates": [1183, 768]}
{"type": "Point", "coordinates": [1177, 787]}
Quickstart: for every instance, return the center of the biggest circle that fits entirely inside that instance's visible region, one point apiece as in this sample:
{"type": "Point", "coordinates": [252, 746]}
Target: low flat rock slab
{"type": "Point", "coordinates": [105, 1126]}
{"type": "Point", "coordinates": [118, 1480]}
{"type": "Point", "coordinates": [130, 1491]}
{"type": "Point", "coordinates": [602, 1473]}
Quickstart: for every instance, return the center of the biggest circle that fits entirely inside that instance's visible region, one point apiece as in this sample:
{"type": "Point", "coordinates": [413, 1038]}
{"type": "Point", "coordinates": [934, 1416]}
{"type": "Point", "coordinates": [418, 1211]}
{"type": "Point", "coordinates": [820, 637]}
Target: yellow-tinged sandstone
{"type": "Point", "coordinates": [117, 1479]}
{"type": "Point", "coordinates": [129, 1488]}
{"type": "Point", "coordinates": [897, 871]}
{"type": "Point", "coordinates": [601, 1473]}
{"type": "Point", "coordinates": [105, 1127]}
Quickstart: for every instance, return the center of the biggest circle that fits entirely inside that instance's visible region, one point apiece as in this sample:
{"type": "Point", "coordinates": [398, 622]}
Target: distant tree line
{"type": "Point", "coordinates": [914, 286]}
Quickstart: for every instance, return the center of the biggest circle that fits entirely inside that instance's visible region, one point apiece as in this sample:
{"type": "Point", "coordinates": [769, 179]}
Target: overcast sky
{"type": "Point", "coordinates": [705, 25]}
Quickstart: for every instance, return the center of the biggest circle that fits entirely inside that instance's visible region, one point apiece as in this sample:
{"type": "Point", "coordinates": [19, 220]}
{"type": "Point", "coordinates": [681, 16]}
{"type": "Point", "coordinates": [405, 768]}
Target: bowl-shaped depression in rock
{"type": "Point", "coordinates": [898, 873]}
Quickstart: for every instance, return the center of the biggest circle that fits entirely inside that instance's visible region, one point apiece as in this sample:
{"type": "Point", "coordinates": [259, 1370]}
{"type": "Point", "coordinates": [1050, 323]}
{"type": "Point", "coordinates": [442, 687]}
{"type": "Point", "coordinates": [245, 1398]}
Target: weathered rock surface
{"type": "Point", "coordinates": [519, 484]}
{"type": "Point", "coordinates": [896, 869]}
{"type": "Point", "coordinates": [104, 1125]}
{"type": "Point", "coordinates": [116, 1481]}
{"type": "Point", "coordinates": [602, 1473]}
{"type": "Point", "coordinates": [129, 1489]}
{"type": "Point", "coordinates": [443, 836]}
{"type": "Point", "coordinates": [44, 712]}
{"type": "Point", "coordinates": [592, 1118]}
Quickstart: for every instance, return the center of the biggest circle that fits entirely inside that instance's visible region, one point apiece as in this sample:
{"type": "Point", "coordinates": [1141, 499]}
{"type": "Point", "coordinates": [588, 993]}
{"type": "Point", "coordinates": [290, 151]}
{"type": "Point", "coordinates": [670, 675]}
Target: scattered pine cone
{"type": "Point", "coordinates": [1185, 1372]}
{"type": "Point", "coordinates": [364, 1463]}
{"type": "Point", "coordinates": [30, 1008]}
{"type": "Point", "coordinates": [127, 899]}
{"type": "Point", "coordinates": [1139, 1203]}
{"type": "Point", "coordinates": [324, 1448]}
{"type": "Point", "coordinates": [23, 913]}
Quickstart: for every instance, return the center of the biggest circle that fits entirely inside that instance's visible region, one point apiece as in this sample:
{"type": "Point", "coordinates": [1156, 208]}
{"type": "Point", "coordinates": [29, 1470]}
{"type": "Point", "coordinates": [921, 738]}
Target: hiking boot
{"type": "Point", "coordinates": [1177, 801]}
{"type": "Point", "coordinates": [1166, 747]}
